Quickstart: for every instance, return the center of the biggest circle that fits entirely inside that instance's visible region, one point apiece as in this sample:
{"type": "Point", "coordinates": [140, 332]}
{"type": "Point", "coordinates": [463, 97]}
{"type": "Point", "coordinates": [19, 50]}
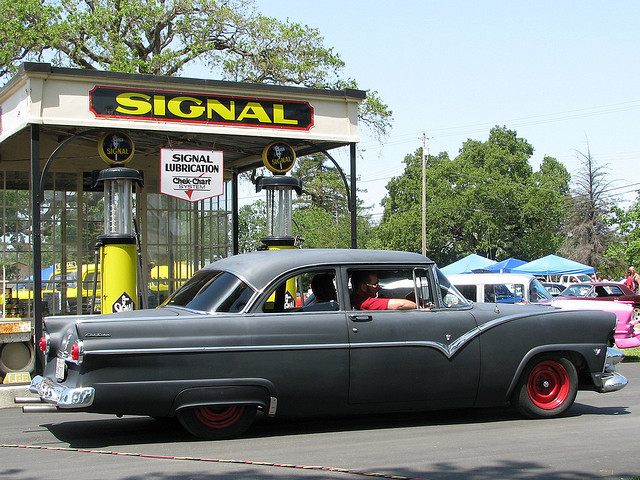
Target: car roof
{"type": "Point", "coordinates": [260, 267]}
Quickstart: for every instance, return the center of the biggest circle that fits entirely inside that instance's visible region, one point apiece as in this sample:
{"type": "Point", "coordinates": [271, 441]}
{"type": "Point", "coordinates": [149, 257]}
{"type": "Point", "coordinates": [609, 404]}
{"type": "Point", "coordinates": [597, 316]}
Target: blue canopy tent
{"type": "Point", "coordinates": [553, 265]}
{"type": "Point", "coordinates": [467, 264]}
{"type": "Point", "coordinates": [505, 266]}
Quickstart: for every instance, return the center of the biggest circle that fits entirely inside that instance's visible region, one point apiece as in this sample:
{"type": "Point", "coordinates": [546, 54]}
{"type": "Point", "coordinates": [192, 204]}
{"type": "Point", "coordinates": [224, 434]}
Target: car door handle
{"type": "Point", "coordinates": [360, 318]}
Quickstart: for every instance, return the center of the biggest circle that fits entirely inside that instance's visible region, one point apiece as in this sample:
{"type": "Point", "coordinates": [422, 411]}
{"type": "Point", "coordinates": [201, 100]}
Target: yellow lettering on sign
{"type": "Point", "coordinates": [133, 103]}
{"type": "Point", "coordinates": [159, 105]}
{"type": "Point", "coordinates": [278, 115]}
{"type": "Point", "coordinates": [254, 110]}
{"type": "Point", "coordinates": [17, 377]}
{"type": "Point", "coordinates": [194, 111]}
{"type": "Point", "coordinates": [214, 105]}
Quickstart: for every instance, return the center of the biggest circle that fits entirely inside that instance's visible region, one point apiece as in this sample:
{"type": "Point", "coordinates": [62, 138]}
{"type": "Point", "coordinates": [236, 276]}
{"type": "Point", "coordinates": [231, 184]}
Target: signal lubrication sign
{"type": "Point", "coordinates": [191, 174]}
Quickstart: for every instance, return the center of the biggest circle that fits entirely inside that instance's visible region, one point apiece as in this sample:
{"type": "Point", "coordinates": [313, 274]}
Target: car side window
{"type": "Point", "coordinates": [306, 291]}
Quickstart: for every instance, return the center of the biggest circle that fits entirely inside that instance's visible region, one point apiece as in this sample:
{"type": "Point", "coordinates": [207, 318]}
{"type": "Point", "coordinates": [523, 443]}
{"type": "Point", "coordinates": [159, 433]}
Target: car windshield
{"type": "Point", "coordinates": [451, 297]}
{"type": "Point", "coordinates": [576, 291]}
{"type": "Point", "coordinates": [212, 291]}
{"type": "Point", "coordinates": [538, 292]}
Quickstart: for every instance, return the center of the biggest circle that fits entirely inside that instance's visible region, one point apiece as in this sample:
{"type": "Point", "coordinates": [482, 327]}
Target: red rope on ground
{"type": "Point", "coordinates": [214, 460]}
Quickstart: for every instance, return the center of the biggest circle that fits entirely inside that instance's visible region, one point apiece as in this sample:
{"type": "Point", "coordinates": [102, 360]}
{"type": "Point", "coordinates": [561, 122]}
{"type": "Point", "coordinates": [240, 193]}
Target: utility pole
{"type": "Point", "coordinates": [425, 153]}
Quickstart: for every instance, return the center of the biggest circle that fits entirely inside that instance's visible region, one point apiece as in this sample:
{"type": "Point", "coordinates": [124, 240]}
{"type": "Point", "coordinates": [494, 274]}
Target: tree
{"type": "Point", "coordinates": [624, 250]}
{"type": "Point", "coordinates": [487, 200]}
{"type": "Point", "coordinates": [322, 211]}
{"type": "Point", "coordinates": [162, 37]}
{"type": "Point", "coordinates": [252, 226]}
{"type": "Point", "coordinates": [586, 228]}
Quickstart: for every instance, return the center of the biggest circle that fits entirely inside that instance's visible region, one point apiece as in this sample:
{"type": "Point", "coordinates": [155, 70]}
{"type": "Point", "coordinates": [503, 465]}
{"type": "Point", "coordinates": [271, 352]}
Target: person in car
{"type": "Point", "coordinates": [365, 290]}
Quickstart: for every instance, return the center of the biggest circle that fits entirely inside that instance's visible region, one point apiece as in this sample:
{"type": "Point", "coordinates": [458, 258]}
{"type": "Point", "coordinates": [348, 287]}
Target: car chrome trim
{"type": "Point", "coordinates": [448, 350]}
{"type": "Point", "coordinates": [612, 382]}
{"type": "Point", "coordinates": [242, 348]}
{"type": "Point", "coordinates": [61, 396]}
{"type": "Point", "coordinates": [614, 356]}
{"type": "Point", "coordinates": [273, 405]}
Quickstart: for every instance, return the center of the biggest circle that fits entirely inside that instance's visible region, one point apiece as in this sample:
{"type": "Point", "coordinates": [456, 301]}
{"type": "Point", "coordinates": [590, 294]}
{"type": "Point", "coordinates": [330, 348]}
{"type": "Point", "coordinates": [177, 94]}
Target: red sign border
{"type": "Point", "coordinates": [198, 122]}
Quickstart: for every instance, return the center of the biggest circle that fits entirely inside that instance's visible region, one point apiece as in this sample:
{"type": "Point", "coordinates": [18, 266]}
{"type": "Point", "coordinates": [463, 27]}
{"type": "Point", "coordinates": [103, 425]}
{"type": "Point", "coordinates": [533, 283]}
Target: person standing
{"type": "Point", "coordinates": [636, 280]}
{"type": "Point", "coordinates": [628, 280]}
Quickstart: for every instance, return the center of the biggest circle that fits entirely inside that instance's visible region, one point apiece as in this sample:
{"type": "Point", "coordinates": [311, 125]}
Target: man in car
{"type": "Point", "coordinates": [365, 290]}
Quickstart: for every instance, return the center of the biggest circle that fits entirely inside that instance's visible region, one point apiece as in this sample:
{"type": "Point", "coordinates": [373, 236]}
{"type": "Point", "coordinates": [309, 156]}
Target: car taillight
{"type": "Point", "coordinates": [43, 343]}
{"type": "Point", "coordinates": [75, 352]}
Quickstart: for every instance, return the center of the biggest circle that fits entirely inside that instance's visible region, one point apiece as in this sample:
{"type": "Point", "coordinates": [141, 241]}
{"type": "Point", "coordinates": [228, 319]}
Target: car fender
{"type": "Point", "coordinates": [580, 355]}
{"type": "Point", "coordinates": [228, 392]}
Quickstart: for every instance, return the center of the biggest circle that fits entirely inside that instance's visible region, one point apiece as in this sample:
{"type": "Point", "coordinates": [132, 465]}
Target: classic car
{"type": "Point", "coordinates": [614, 296]}
{"type": "Point", "coordinates": [233, 341]}
{"type": "Point", "coordinates": [605, 291]}
{"type": "Point", "coordinates": [554, 289]}
{"type": "Point", "coordinates": [500, 287]}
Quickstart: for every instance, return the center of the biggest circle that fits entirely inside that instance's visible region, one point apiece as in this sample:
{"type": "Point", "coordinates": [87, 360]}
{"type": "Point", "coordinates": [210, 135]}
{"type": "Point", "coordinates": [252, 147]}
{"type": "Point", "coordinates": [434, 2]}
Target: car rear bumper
{"type": "Point", "coordinates": [61, 396]}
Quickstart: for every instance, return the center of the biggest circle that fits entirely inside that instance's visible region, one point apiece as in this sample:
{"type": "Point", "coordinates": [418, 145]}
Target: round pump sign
{"type": "Point", "coordinates": [116, 148]}
{"type": "Point", "coordinates": [279, 157]}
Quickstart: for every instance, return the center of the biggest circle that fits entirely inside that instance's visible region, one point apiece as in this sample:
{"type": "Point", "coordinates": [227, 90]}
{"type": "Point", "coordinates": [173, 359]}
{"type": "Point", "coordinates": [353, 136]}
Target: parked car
{"type": "Point", "coordinates": [611, 293]}
{"type": "Point", "coordinates": [232, 341]}
{"type": "Point", "coordinates": [517, 288]}
{"type": "Point", "coordinates": [554, 289]}
{"type": "Point", "coordinates": [605, 291]}
{"type": "Point", "coordinates": [575, 278]}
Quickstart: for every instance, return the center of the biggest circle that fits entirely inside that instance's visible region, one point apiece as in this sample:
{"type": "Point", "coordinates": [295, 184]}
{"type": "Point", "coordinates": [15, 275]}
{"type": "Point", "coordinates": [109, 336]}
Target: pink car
{"type": "Point", "coordinates": [627, 333]}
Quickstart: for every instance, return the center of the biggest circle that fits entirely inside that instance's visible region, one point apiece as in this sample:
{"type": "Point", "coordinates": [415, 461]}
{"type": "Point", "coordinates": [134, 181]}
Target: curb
{"type": "Point", "coordinates": [9, 392]}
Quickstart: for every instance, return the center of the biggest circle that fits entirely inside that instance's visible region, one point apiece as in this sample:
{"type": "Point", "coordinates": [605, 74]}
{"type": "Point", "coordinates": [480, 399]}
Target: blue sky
{"type": "Point", "coordinates": [564, 75]}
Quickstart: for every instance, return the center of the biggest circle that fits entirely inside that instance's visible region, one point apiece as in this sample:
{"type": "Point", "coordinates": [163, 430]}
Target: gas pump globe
{"type": "Point", "coordinates": [279, 206]}
{"type": "Point", "coordinates": [118, 272]}
{"type": "Point", "coordinates": [118, 196]}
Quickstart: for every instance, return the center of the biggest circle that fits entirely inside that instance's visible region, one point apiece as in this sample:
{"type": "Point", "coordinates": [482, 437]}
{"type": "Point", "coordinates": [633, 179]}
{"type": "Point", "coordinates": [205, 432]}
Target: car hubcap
{"type": "Point", "coordinates": [548, 385]}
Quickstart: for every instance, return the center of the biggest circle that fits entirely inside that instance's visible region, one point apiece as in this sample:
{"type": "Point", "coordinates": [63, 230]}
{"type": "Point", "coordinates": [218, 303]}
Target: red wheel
{"type": "Point", "coordinates": [217, 422]}
{"type": "Point", "coordinates": [547, 387]}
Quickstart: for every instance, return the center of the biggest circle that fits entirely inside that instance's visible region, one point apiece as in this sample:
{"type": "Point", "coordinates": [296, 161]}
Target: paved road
{"type": "Point", "coordinates": [599, 439]}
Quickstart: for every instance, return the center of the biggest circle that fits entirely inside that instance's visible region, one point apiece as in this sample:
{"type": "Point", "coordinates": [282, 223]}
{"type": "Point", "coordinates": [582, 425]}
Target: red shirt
{"type": "Point", "coordinates": [369, 303]}
{"type": "Point", "coordinates": [629, 282]}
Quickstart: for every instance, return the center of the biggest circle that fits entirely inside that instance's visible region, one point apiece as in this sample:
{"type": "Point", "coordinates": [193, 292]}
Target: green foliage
{"type": "Point", "coordinates": [624, 250]}
{"type": "Point", "coordinates": [162, 37]}
{"type": "Point", "coordinates": [488, 201]}
{"type": "Point", "coordinates": [252, 226]}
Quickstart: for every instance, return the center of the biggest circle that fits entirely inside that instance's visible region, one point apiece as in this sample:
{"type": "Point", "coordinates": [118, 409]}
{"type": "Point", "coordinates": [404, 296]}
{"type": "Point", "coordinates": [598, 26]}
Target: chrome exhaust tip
{"type": "Point", "coordinates": [39, 408]}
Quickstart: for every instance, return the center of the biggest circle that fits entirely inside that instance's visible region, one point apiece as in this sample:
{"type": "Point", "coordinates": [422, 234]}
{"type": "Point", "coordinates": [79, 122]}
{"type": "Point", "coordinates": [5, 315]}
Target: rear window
{"type": "Point", "coordinates": [212, 291]}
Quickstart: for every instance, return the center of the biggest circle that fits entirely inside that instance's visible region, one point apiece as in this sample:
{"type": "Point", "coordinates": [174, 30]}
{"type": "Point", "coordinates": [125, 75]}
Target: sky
{"type": "Point", "coordinates": [563, 74]}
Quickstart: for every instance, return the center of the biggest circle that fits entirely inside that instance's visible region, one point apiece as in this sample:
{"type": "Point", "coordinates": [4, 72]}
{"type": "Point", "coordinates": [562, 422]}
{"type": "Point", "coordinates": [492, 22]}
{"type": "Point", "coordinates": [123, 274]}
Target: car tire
{"type": "Point", "coordinates": [547, 387]}
{"type": "Point", "coordinates": [17, 357]}
{"type": "Point", "coordinates": [217, 422]}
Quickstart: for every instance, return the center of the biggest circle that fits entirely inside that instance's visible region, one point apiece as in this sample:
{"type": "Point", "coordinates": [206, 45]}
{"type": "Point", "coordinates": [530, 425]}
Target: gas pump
{"type": "Point", "coordinates": [118, 254]}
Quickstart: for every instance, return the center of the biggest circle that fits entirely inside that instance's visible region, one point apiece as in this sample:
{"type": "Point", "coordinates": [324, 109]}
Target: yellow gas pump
{"type": "Point", "coordinates": [279, 222]}
{"type": "Point", "coordinates": [118, 254]}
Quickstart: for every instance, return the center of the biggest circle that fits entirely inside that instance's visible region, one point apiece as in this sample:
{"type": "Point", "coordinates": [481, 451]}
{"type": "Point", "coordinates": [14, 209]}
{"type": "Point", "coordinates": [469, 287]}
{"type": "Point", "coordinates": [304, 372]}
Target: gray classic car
{"type": "Point", "coordinates": [245, 335]}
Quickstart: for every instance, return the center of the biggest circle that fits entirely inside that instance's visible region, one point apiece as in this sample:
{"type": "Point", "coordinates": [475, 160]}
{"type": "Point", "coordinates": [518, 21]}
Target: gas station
{"type": "Point", "coordinates": [121, 186]}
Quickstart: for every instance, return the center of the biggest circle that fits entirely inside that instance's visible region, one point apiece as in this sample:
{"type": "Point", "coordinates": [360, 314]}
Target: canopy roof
{"type": "Point", "coordinates": [553, 265]}
{"type": "Point", "coordinates": [467, 264]}
{"type": "Point", "coordinates": [505, 266]}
